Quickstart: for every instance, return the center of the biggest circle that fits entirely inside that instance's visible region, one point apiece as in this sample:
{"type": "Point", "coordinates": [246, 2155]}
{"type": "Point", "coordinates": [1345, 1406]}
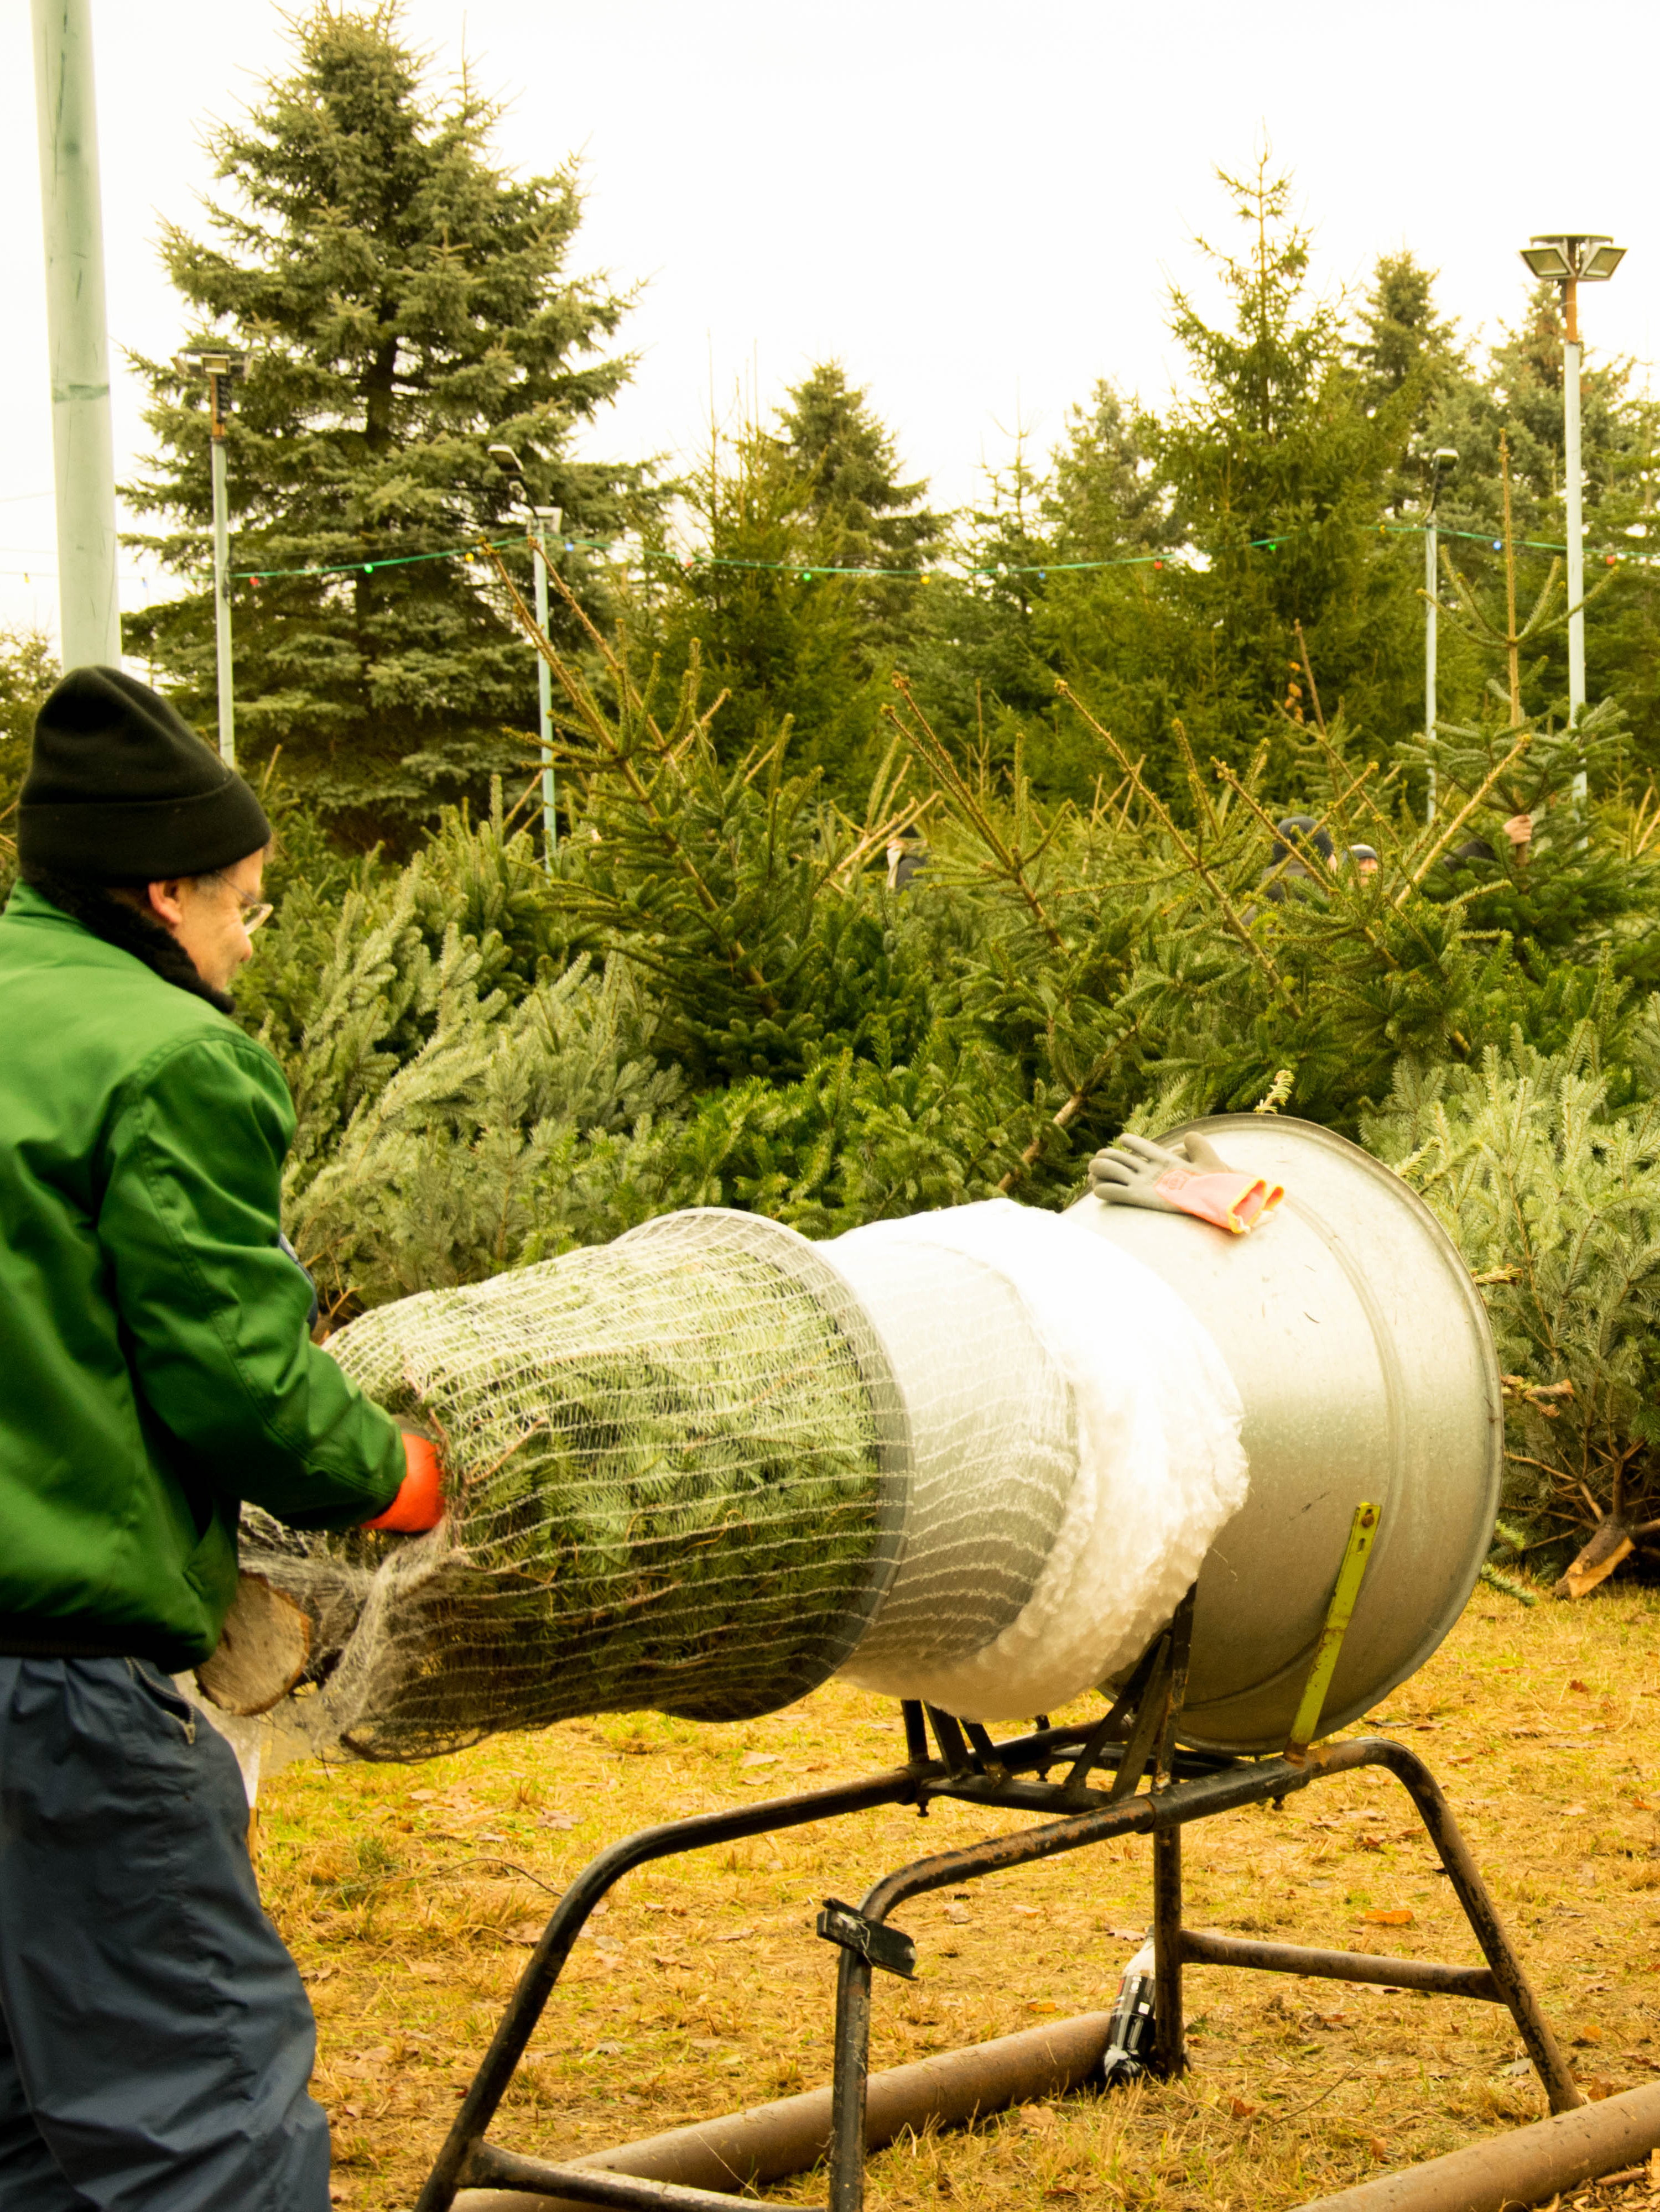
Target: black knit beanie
{"type": "Point", "coordinates": [120, 789]}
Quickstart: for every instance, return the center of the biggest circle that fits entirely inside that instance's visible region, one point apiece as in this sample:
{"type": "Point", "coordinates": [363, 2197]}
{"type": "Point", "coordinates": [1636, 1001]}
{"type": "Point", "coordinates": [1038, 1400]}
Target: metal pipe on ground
{"type": "Point", "coordinates": [770, 2141]}
{"type": "Point", "coordinates": [1530, 2166]}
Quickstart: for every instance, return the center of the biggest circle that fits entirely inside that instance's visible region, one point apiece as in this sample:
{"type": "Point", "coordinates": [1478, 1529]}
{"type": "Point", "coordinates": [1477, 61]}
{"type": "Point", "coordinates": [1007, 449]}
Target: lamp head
{"type": "Point", "coordinates": [1572, 257]}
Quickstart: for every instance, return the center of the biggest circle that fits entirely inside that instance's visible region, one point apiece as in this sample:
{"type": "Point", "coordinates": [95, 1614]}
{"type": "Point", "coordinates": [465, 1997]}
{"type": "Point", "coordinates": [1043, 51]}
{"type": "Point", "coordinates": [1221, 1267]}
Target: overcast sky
{"type": "Point", "coordinates": [979, 208]}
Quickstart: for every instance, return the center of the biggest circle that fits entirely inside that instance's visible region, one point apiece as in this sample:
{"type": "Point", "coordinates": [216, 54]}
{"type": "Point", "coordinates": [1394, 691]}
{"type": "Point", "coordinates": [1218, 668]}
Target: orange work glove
{"type": "Point", "coordinates": [1191, 1178]}
{"type": "Point", "coordinates": [419, 1504]}
{"type": "Point", "coordinates": [1230, 1201]}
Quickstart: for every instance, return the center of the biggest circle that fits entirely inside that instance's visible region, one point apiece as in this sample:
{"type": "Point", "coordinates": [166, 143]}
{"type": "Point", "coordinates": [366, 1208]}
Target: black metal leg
{"type": "Point", "coordinates": [1480, 1910]}
{"type": "Point", "coordinates": [847, 2086]}
{"type": "Point", "coordinates": [535, 1983]}
{"type": "Point", "coordinates": [1170, 2039]}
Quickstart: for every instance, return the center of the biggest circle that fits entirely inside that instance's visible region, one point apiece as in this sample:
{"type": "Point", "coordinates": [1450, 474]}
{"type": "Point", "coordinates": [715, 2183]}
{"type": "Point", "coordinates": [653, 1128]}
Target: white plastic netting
{"type": "Point", "coordinates": [1075, 1449]}
{"type": "Point", "coordinates": [666, 1489]}
{"type": "Point", "coordinates": [975, 1456]}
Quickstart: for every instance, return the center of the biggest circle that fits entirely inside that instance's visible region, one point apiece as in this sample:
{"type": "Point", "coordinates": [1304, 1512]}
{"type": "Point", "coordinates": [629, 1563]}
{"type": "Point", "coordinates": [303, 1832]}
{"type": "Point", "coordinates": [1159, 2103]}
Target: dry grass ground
{"type": "Point", "coordinates": [408, 1893]}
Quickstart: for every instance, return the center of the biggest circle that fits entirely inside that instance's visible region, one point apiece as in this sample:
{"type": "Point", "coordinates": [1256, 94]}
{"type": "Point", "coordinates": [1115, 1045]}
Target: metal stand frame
{"type": "Point", "coordinates": [1135, 1734]}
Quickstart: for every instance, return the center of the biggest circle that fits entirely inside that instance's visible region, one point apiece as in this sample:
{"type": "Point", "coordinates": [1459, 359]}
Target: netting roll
{"type": "Point", "coordinates": [678, 1474]}
{"type": "Point", "coordinates": [1075, 1449]}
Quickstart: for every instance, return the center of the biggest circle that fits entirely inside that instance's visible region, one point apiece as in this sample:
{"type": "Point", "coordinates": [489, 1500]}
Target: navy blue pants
{"type": "Point", "coordinates": [156, 2041]}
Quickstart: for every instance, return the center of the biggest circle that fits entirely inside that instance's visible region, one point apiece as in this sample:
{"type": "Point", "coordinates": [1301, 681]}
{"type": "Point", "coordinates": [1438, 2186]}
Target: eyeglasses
{"type": "Point", "coordinates": [256, 912]}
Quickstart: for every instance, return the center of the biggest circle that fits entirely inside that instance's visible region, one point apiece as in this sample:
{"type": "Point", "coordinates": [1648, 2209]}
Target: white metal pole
{"type": "Point", "coordinates": [1576, 518]}
{"type": "Point", "coordinates": [221, 580]}
{"type": "Point", "coordinates": [88, 611]}
{"type": "Point", "coordinates": [545, 702]}
{"type": "Point", "coordinates": [1429, 651]}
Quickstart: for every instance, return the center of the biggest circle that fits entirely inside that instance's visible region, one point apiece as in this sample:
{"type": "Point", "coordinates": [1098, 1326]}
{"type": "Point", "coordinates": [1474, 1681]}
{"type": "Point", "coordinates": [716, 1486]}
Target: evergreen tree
{"type": "Point", "coordinates": [28, 669]}
{"type": "Point", "coordinates": [777, 511]}
{"type": "Point", "coordinates": [406, 304]}
{"type": "Point", "coordinates": [1407, 352]}
{"type": "Point", "coordinates": [1279, 468]}
{"type": "Point", "coordinates": [1106, 496]}
{"type": "Point", "coordinates": [863, 517]}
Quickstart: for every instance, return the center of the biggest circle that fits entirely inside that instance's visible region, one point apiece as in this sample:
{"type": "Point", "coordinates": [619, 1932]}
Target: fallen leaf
{"type": "Point", "coordinates": [759, 1758]}
{"type": "Point", "coordinates": [959, 1913]}
{"type": "Point", "coordinates": [316, 1973]}
{"type": "Point", "coordinates": [1377, 2146]}
{"type": "Point", "coordinates": [352, 2111]}
{"type": "Point", "coordinates": [1598, 2088]}
{"type": "Point", "coordinates": [1397, 1916]}
{"type": "Point", "coordinates": [1369, 1843]}
{"type": "Point", "coordinates": [1588, 2033]}
{"type": "Point", "coordinates": [1129, 1935]}
{"type": "Point", "coordinates": [527, 1932]}
{"type": "Point", "coordinates": [556, 1819]}
{"type": "Point", "coordinates": [1584, 1688]}
{"type": "Point", "coordinates": [1037, 2116]}
{"type": "Point", "coordinates": [423, 1796]}
{"type": "Point", "coordinates": [1241, 2110]}
{"type": "Point", "coordinates": [1569, 1811]}
{"type": "Point", "coordinates": [737, 1935]}
{"type": "Point", "coordinates": [1041, 2004]}
{"type": "Point", "coordinates": [605, 2050]}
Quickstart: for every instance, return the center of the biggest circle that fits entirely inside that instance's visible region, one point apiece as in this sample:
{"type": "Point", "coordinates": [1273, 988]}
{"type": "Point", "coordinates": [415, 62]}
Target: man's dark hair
{"type": "Point", "coordinates": [1303, 829]}
{"type": "Point", "coordinates": [1474, 848]}
{"type": "Point", "coordinates": [125, 923]}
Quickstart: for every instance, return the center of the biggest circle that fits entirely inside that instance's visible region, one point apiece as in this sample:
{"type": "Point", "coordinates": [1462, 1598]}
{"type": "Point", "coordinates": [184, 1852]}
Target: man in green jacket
{"type": "Point", "coordinates": [155, 2042]}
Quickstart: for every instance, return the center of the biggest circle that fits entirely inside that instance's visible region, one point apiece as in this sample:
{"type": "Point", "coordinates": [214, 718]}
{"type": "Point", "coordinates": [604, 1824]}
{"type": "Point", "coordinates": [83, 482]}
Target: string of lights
{"type": "Point", "coordinates": [814, 572]}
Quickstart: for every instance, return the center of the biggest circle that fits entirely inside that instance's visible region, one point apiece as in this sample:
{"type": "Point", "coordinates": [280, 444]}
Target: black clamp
{"type": "Point", "coordinates": [882, 1945]}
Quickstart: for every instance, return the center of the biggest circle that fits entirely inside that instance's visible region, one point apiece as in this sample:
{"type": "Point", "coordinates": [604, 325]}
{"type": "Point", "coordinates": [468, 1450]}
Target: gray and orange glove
{"type": "Point", "coordinates": [1191, 1179]}
{"type": "Point", "coordinates": [419, 1504]}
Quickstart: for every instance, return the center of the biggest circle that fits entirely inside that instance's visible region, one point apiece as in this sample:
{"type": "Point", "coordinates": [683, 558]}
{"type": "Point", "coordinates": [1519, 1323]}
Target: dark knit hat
{"type": "Point", "coordinates": [120, 789]}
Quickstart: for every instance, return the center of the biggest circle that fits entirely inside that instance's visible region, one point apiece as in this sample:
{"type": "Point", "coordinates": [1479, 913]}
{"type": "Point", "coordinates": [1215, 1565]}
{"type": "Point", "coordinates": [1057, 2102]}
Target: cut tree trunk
{"type": "Point", "coordinates": [262, 1650]}
{"type": "Point", "coordinates": [1613, 1540]}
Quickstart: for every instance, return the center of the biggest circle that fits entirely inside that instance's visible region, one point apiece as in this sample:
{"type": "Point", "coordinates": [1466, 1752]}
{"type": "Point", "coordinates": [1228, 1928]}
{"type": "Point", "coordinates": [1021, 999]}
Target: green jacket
{"type": "Point", "coordinates": [155, 1368]}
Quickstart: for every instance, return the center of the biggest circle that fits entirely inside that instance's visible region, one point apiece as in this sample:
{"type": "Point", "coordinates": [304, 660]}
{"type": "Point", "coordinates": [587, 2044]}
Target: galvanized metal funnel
{"type": "Point", "coordinates": [1362, 1354]}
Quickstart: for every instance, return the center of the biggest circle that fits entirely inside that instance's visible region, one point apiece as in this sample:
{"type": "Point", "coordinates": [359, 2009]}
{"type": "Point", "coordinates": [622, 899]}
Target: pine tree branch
{"type": "Point", "coordinates": [1344, 890]}
{"type": "Point", "coordinates": [1446, 836]}
{"type": "Point", "coordinates": [1073, 1106]}
{"type": "Point", "coordinates": [1011, 863]}
{"type": "Point", "coordinates": [1195, 862]}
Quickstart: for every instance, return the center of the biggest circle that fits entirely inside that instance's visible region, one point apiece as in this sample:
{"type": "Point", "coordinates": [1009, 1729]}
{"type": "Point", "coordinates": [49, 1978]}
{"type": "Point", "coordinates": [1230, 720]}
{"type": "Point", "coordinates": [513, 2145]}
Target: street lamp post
{"type": "Point", "coordinates": [1444, 459]}
{"type": "Point", "coordinates": [1571, 258]}
{"type": "Point", "coordinates": [221, 370]}
{"type": "Point", "coordinates": [547, 519]}
{"type": "Point", "coordinates": [543, 520]}
{"type": "Point", "coordinates": [90, 617]}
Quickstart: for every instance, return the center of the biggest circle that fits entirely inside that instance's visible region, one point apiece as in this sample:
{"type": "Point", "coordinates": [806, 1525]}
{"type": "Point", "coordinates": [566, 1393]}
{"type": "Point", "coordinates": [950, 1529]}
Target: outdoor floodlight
{"type": "Point", "coordinates": [1571, 257]}
{"type": "Point", "coordinates": [1547, 260]}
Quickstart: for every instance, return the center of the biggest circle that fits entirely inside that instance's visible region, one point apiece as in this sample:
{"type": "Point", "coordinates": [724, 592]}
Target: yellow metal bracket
{"type": "Point", "coordinates": [1363, 1532]}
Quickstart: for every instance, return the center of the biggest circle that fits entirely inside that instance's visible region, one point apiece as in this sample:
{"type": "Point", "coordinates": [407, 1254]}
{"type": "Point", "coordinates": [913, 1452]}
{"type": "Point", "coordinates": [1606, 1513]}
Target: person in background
{"type": "Point", "coordinates": [1519, 831]}
{"type": "Point", "coordinates": [906, 858]}
{"type": "Point", "coordinates": [155, 2042]}
{"type": "Point", "coordinates": [1288, 874]}
{"type": "Point", "coordinates": [1364, 859]}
